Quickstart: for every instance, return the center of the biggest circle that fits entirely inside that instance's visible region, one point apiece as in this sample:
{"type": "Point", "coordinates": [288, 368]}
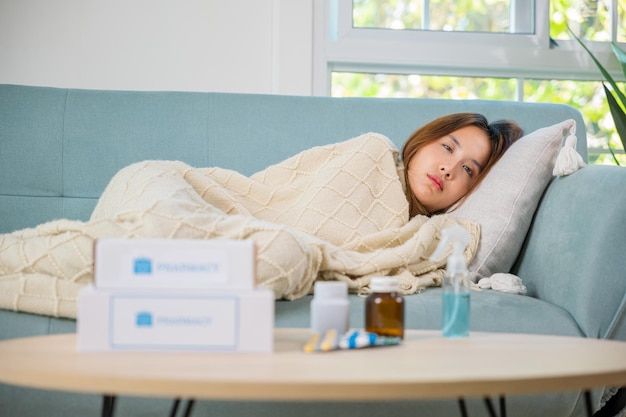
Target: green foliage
{"type": "Point", "coordinates": [615, 97]}
{"type": "Point", "coordinates": [590, 18]}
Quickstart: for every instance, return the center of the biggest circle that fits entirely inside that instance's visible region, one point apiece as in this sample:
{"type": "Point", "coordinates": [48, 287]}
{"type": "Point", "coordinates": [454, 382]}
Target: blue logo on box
{"type": "Point", "coordinates": [142, 266]}
{"type": "Point", "coordinates": [143, 319]}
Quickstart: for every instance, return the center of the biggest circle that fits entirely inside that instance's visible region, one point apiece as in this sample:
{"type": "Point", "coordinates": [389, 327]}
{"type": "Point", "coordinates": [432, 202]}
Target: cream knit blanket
{"type": "Point", "coordinates": [335, 212]}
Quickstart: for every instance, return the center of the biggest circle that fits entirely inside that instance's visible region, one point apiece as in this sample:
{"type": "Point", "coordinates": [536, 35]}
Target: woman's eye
{"type": "Point", "coordinates": [447, 148]}
{"type": "Point", "coordinates": [468, 170]}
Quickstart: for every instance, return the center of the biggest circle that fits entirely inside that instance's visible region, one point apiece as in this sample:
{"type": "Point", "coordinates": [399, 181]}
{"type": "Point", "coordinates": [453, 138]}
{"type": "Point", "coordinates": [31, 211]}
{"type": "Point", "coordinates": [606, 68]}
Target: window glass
{"type": "Point", "coordinates": [587, 96]}
{"type": "Point", "coordinates": [590, 20]}
{"type": "Point", "coordinates": [493, 16]}
{"type": "Point", "coordinates": [349, 84]}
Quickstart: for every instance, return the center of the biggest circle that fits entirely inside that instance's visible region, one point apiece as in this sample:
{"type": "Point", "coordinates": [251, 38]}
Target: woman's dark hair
{"type": "Point", "coordinates": [502, 134]}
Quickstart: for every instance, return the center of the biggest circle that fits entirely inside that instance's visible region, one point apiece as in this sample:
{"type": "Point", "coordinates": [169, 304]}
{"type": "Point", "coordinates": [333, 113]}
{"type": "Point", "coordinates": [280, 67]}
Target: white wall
{"type": "Point", "coordinates": [252, 46]}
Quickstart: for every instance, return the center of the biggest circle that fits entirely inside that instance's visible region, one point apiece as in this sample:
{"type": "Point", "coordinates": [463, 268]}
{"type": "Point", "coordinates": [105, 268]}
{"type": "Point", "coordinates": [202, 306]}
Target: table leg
{"type": "Point", "coordinates": [176, 404]}
{"type": "Point", "coordinates": [189, 407]}
{"type": "Point", "coordinates": [175, 407]}
{"type": "Point", "coordinates": [488, 404]}
{"type": "Point", "coordinates": [490, 408]}
{"type": "Point", "coordinates": [588, 404]}
{"type": "Point", "coordinates": [462, 407]}
{"type": "Point", "coordinates": [108, 405]}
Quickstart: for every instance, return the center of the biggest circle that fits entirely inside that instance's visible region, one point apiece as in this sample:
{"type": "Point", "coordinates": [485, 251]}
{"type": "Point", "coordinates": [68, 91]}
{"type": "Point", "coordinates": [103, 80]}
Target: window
{"type": "Point", "coordinates": [494, 16]}
{"type": "Point", "coordinates": [493, 49]}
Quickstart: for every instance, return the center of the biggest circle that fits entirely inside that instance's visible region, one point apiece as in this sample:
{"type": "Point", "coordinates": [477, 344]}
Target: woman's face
{"type": "Point", "coordinates": [444, 170]}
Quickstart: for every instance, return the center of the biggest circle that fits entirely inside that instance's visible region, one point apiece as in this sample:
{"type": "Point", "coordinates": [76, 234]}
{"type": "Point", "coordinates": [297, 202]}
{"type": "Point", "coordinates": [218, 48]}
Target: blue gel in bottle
{"type": "Point", "coordinates": [456, 314]}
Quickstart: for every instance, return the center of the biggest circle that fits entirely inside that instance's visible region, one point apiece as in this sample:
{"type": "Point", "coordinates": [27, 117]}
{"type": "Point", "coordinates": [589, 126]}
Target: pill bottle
{"type": "Point", "coordinates": [384, 308]}
{"type": "Point", "coordinates": [330, 308]}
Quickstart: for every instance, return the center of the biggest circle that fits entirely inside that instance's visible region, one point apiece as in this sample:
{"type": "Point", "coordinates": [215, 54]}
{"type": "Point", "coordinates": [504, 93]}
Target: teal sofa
{"type": "Point", "coordinates": [60, 147]}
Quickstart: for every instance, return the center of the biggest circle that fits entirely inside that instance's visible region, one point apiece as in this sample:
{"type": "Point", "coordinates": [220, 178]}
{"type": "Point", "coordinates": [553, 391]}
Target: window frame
{"type": "Point", "coordinates": [340, 47]}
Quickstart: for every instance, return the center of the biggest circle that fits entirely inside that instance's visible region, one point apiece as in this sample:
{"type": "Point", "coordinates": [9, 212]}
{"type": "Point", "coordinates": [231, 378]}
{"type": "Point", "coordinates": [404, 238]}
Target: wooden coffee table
{"type": "Point", "coordinates": [425, 365]}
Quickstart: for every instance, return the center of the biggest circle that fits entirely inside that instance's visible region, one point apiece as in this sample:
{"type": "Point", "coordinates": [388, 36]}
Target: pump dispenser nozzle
{"type": "Point", "coordinates": [460, 238]}
{"type": "Point", "coordinates": [456, 283]}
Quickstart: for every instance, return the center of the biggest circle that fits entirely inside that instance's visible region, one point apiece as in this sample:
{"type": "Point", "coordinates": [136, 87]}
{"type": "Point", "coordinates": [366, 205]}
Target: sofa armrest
{"type": "Point", "coordinates": [574, 255]}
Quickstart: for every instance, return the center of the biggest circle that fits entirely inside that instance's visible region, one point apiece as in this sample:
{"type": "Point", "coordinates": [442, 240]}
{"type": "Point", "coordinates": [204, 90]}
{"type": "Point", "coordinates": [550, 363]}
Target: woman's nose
{"type": "Point", "coordinates": [446, 171]}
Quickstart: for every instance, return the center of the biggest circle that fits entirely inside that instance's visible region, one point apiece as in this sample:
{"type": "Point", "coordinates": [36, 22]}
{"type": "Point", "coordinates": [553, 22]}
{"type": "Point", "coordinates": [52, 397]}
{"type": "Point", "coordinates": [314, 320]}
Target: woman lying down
{"type": "Point", "coordinates": [345, 211]}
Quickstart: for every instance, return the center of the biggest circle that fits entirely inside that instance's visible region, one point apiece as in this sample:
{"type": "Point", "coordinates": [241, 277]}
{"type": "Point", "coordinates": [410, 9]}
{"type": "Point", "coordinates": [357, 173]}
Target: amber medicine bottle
{"type": "Point", "coordinates": [384, 308]}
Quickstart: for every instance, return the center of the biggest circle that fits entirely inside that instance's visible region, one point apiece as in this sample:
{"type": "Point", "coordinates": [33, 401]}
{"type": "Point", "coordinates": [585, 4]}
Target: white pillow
{"type": "Point", "coordinates": [505, 201]}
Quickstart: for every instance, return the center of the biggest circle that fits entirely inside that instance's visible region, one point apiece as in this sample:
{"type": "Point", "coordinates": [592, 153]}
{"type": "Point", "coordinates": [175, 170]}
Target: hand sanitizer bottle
{"type": "Point", "coordinates": [456, 291]}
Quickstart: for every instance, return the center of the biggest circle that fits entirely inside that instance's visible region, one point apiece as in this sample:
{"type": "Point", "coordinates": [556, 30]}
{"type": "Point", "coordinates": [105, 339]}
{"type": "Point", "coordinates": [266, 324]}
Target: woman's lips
{"type": "Point", "coordinates": [436, 181]}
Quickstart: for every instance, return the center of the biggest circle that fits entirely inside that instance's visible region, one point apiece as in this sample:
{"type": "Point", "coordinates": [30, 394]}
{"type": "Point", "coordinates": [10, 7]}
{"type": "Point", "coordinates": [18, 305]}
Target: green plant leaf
{"type": "Point", "coordinates": [619, 117]}
{"type": "Point", "coordinates": [605, 73]}
{"type": "Point", "coordinates": [614, 156]}
{"type": "Point", "coordinates": [615, 98]}
{"type": "Point", "coordinates": [620, 55]}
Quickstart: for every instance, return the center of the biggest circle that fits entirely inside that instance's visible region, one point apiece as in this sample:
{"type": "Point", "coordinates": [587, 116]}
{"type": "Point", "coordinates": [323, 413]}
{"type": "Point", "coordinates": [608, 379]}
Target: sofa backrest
{"type": "Point", "coordinates": [60, 147]}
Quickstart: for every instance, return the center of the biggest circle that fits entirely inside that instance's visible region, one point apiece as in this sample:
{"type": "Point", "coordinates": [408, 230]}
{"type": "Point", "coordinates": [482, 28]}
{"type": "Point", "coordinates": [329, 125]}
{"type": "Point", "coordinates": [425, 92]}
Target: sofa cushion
{"type": "Point", "coordinates": [491, 311]}
{"type": "Point", "coordinates": [505, 201]}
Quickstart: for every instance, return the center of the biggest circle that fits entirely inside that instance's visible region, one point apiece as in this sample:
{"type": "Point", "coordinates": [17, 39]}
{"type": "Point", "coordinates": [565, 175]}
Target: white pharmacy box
{"type": "Point", "coordinates": [174, 263]}
{"type": "Point", "coordinates": [175, 320]}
